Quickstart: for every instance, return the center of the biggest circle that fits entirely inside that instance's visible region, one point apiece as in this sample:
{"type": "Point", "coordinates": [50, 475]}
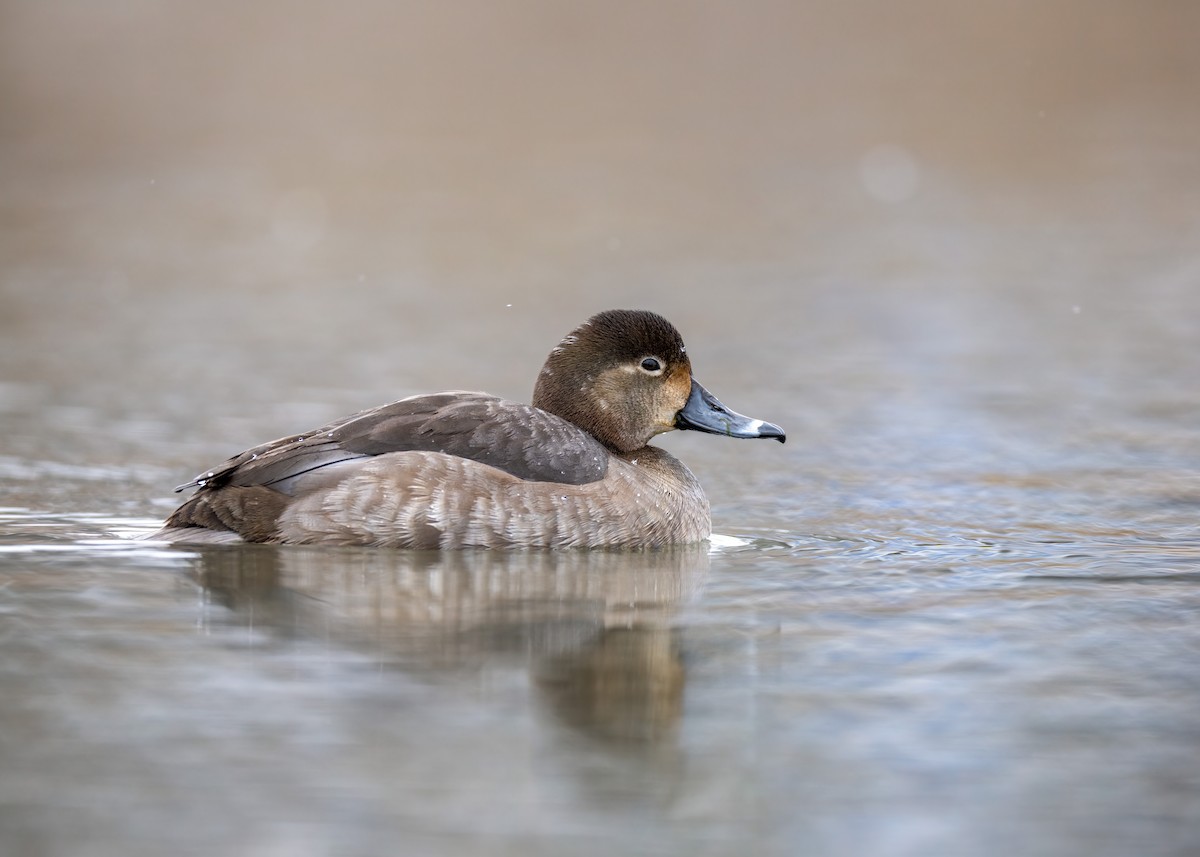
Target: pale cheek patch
{"type": "Point", "coordinates": [678, 389]}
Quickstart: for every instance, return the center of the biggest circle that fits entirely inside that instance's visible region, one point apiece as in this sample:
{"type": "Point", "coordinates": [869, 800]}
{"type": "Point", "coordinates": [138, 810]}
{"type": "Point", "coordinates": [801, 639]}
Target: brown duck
{"type": "Point", "coordinates": [456, 470]}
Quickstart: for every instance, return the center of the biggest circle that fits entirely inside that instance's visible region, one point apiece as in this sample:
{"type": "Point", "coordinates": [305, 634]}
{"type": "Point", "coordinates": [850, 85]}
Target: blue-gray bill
{"type": "Point", "coordinates": [704, 412]}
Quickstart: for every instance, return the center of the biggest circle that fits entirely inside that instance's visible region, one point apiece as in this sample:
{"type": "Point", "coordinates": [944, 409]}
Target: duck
{"type": "Point", "coordinates": [450, 470]}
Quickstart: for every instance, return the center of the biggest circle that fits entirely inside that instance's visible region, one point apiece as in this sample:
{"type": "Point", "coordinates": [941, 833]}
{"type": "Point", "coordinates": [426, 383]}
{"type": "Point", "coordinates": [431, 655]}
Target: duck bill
{"type": "Point", "coordinates": [704, 412]}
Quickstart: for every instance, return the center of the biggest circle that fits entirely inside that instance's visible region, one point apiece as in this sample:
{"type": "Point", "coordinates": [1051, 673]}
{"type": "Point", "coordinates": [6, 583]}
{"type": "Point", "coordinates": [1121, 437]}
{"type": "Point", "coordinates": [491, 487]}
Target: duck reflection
{"type": "Point", "coordinates": [593, 628]}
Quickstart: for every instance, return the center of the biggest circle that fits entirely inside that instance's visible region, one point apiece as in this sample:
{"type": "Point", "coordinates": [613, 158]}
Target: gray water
{"type": "Point", "coordinates": [954, 250]}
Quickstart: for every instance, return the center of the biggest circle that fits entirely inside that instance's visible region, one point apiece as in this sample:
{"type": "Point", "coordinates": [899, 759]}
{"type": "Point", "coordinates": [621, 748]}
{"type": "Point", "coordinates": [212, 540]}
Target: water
{"type": "Point", "coordinates": [960, 264]}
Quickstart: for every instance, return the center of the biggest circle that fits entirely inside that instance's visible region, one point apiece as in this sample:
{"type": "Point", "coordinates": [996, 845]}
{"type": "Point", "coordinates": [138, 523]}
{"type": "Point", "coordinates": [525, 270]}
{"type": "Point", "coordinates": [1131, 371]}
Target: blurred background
{"type": "Point", "coordinates": [270, 203]}
{"type": "Point", "coordinates": [953, 248]}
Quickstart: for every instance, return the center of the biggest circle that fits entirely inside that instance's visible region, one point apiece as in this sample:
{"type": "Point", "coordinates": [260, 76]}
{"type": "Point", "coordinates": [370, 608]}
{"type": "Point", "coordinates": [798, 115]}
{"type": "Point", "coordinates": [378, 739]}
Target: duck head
{"type": "Point", "coordinates": [624, 376]}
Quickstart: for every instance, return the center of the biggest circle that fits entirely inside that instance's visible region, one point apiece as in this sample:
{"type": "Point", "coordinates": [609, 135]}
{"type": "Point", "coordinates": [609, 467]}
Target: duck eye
{"type": "Point", "coordinates": [651, 365]}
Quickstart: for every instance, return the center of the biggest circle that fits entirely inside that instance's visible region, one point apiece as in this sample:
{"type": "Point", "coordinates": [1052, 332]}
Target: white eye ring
{"type": "Point", "coordinates": [651, 365]}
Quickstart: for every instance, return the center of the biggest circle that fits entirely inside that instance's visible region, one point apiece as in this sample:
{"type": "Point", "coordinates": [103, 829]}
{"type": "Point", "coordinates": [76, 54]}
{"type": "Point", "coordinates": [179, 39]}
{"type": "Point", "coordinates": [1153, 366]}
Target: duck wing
{"type": "Point", "coordinates": [519, 439]}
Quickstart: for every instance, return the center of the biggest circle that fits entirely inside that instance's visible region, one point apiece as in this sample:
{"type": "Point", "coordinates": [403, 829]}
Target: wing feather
{"type": "Point", "coordinates": [519, 439]}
